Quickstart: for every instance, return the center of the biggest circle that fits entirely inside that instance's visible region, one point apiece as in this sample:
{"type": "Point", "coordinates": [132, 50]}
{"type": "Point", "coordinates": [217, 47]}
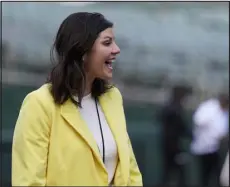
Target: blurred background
{"type": "Point", "coordinates": [162, 44]}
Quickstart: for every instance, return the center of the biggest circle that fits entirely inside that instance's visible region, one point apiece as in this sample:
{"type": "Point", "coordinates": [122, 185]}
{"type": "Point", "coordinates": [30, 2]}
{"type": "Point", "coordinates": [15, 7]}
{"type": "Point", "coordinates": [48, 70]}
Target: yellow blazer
{"type": "Point", "coordinates": [52, 145]}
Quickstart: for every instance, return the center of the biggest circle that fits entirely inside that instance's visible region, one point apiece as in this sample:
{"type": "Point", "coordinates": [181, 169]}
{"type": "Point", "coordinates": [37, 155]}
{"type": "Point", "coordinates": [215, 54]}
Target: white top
{"type": "Point", "coordinates": [210, 126]}
{"type": "Point", "coordinates": [89, 114]}
{"type": "Point", "coordinates": [224, 176]}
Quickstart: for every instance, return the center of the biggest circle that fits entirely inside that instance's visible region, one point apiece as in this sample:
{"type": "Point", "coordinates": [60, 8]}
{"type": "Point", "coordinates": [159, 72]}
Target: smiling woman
{"type": "Point", "coordinates": [72, 131]}
{"type": "Point", "coordinates": [83, 46]}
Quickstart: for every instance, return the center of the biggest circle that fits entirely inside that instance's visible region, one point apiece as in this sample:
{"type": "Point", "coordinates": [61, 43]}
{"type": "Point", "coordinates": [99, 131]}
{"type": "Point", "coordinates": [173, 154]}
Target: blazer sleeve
{"type": "Point", "coordinates": [30, 143]}
{"type": "Point", "coordinates": [135, 177]}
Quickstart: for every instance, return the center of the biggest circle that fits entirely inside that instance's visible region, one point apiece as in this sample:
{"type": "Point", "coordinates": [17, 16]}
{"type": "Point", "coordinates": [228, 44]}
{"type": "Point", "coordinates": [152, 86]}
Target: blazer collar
{"type": "Point", "coordinates": [72, 115]}
{"type": "Point", "coordinates": [112, 114]}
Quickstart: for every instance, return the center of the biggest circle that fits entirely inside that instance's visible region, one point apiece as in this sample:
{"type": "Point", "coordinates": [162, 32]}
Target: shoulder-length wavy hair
{"type": "Point", "coordinates": [75, 37]}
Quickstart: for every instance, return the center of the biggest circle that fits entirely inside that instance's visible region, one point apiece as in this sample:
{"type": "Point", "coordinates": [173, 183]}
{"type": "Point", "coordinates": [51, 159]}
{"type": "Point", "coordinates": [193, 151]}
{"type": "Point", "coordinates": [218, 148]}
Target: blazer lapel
{"type": "Point", "coordinates": [72, 115]}
{"type": "Point", "coordinates": [112, 114]}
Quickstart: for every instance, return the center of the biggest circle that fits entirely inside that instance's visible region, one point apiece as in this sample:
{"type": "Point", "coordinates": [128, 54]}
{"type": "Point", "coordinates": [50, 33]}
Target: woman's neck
{"type": "Point", "coordinates": [87, 91]}
{"type": "Point", "coordinates": [88, 86]}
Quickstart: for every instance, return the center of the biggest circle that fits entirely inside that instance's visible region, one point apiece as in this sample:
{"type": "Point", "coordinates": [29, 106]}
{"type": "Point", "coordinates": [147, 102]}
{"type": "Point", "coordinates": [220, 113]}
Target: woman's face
{"type": "Point", "coordinates": [99, 61]}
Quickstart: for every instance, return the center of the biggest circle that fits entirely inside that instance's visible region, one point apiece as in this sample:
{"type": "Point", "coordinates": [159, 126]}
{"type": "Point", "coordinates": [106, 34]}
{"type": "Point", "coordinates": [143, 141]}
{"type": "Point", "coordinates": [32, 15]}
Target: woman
{"type": "Point", "coordinates": [72, 130]}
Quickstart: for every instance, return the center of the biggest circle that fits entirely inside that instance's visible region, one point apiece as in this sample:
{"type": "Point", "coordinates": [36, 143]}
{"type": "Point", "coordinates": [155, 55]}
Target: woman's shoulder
{"type": "Point", "coordinates": [41, 96]}
{"type": "Point", "coordinates": [114, 92]}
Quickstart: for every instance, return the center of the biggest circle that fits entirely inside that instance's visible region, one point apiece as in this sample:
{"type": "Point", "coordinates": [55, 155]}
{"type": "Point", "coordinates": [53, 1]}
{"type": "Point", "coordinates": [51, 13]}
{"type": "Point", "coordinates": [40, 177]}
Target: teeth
{"type": "Point", "coordinates": [110, 66]}
{"type": "Point", "coordinates": [111, 61]}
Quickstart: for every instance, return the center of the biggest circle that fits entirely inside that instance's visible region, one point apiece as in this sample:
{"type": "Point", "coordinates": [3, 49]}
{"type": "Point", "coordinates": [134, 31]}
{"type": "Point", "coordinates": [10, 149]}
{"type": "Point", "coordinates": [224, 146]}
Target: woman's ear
{"type": "Point", "coordinates": [85, 61]}
{"type": "Point", "coordinates": [85, 57]}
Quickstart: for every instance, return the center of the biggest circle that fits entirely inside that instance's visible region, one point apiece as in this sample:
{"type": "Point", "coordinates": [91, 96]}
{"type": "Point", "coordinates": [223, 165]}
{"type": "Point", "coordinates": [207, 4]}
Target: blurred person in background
{"type": "Point", "coordinates": [72, 130]}
{"type": "Point", "coordinates": [210, 128]}
{"type": "Point", "coordinates": [174, 129]}
{"type": "Point", "coordinates": [224, 175]}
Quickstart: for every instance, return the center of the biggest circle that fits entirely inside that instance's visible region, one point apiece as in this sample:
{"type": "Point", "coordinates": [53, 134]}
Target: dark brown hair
{"type": "Point", "coordinates": [75, 37]}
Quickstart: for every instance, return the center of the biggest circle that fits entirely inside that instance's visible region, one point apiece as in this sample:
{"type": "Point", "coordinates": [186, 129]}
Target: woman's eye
{"type": "Point", "coordinates": [107, 43]}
